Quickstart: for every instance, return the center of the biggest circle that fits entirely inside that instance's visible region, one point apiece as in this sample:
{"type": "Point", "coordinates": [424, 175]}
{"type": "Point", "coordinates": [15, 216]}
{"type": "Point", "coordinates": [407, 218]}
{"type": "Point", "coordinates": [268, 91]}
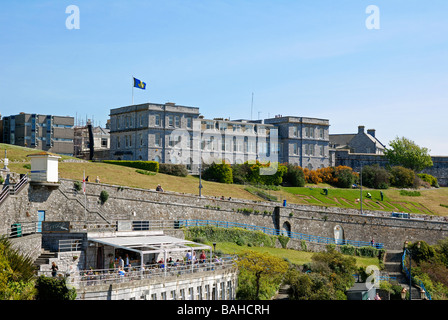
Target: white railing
{"type": "Point", "coordinates": [96, 277]}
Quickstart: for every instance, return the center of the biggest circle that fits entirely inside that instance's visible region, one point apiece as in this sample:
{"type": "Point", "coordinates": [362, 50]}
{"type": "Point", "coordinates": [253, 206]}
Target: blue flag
{"type": "Point", "coordinates": [139, 84]}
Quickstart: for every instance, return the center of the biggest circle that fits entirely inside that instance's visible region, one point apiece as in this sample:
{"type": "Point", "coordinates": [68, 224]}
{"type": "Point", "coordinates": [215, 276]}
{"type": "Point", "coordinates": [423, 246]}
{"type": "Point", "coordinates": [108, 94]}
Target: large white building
{"type": "Point", "coordinates": [170, 133]}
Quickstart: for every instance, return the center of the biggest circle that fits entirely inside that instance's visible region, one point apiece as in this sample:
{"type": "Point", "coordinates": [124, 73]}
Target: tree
{"type": "Point", "coordinates": [294, 176]}
{"type": "Point", "coordinates": [407, 153]}
{"type": "Point", "coordinates": [221, 172]}
{"type": "Point", "coordinates": [16, 273]}
{"type": "Point", "coordinates": [261, 266]}
{"type": "Point", "coordinates": [401, 177]}
{"type": "Point", "coordinates": [375, 177]}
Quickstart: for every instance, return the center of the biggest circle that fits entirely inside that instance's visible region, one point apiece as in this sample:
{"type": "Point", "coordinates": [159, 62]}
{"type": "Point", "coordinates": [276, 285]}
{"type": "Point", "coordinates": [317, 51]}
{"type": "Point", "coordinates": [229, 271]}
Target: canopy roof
{"type": "Point", "coordinates": [150, 243]}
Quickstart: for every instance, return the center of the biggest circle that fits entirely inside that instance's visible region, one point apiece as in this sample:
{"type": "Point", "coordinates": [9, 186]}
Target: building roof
{"type": "Point", "coordinates": [150, 243]}
{"type": "Point", "coordinates": [43, 153]}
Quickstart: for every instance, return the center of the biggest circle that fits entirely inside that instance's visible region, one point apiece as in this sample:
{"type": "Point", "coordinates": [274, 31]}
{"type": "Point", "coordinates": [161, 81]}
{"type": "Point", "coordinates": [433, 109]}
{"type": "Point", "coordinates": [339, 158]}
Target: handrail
{"type": "Point", "coordinates": [82, 278]}
{"type": "Point", "coordinates": [19, 185]}
{"type": "Point", "coordinates": [272, 231]}
{"type": "Point", "coordinates": [4, 193]}
{"type": "Point", "coordinates": [417, 281]}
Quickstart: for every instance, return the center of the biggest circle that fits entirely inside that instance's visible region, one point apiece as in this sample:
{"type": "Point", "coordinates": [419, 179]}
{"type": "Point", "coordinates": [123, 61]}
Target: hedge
{"type": "Point", "coordinates": [143, 165]}
{"type": "Point", "coordinates": [236, 235]}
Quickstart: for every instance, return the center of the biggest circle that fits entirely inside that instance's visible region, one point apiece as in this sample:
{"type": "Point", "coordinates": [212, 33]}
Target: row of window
{"type": "Point", "coordinates": [173, 121]}
{"type": "Point", "coordinates": [223, 126]}
{"type": "Point", "coordinates": [247, 145]}
{"type": "Point", "coordinates": [310, 132]}
{"type": "Point", "coordinates": [207, 292]}
{"type": "Point", "coordinates": [309, 149]}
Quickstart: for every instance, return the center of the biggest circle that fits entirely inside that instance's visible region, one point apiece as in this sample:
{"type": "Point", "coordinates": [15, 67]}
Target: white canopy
{"type": "Point", "coordinates": [149, 244]}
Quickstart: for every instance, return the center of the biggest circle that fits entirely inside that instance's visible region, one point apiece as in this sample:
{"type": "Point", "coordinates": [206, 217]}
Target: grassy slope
{"type": "Point", "coordinates": [295, 256]}
{"type": "Point", "coordinates": [428, 203]}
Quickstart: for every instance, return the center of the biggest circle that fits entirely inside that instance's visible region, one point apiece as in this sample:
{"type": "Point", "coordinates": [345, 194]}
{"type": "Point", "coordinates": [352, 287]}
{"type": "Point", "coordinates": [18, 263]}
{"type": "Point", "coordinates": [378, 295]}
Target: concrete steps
{"type": "Point", "coordinates": [392, 266]}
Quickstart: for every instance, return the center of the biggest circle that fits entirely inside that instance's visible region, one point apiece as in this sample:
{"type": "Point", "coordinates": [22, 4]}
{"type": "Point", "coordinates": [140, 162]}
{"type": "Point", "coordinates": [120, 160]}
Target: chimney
{"type": "Point", "coordinates": [371, 132]}
{"type": "Point", "coordinates": [360, 129]}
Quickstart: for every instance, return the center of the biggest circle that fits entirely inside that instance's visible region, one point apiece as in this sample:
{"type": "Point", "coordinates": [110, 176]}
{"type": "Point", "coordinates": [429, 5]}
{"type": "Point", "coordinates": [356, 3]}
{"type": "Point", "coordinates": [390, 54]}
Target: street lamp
{"type": "Point", "coordinates": [410, 267]}
{"type": "Point", "coordinates": [200, 180]}
{"type": "Point", "coordinates": [360, 176]}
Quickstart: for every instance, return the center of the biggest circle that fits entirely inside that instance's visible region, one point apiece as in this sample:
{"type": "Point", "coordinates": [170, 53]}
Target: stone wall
{"type": "Point", "coordinates": [355, 160]}
{"type": "Point", "coordinates": [200, 285]}
{"type": "Point", "coordinates": [63, 204]}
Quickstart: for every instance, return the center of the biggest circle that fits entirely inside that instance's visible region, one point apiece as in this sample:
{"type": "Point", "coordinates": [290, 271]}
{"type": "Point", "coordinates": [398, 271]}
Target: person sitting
{"type": "Point", "coordinates": [202, 257]}
{"type": "Point", "coordinates": [159, 188]}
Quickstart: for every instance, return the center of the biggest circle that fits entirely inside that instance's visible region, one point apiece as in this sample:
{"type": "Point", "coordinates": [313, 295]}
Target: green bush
{"type": "Point", "coordinates": [410, 193]}
{"type": "Point", "coordinates": [345, 178]}
{"type": "Point", "coordinates": [283, 240]}
{"type": "Point", "coordinates": [402, 177]}
{"type": "Point", "coordinates": [375, 177]}
{"type": "Point", "coordinates": [429, 179]}
{"type": "Point", "coordinates": [104, 196]}
{"type": "Point", "coordinates": [77, 185]}
{"type": "Point", "coordinates": [221, 172]}
{"type": "Point", "coordinates": [235, 235]}
{"type": "Point", "coordinates": [143, 165]}
{"type": "Point", "coordinates": [178, 170]}
{"type": "Point", "coordinates": [250, 173]}
{"type": "Point", "coordinates": [294, 176]}
{"type": "Point", "coordinates": [54, 289]}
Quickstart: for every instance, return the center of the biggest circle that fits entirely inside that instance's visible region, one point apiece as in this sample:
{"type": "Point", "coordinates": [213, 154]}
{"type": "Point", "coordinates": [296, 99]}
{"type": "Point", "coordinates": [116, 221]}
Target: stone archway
{"type": "Point", "coordinates": [286, 229]}
{"type": "Point", "coordinates": [338, 234]}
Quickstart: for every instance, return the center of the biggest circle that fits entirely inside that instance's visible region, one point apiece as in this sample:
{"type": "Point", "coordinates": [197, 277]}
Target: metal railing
{"type": "Point", "coordinates": [408, 274]}
{"type": "Point", "coordinates": [67, 245]}
{"type": "Point", "coordinates": [95, 277]}
{"type": "Point", "coordinates": [272, 231]}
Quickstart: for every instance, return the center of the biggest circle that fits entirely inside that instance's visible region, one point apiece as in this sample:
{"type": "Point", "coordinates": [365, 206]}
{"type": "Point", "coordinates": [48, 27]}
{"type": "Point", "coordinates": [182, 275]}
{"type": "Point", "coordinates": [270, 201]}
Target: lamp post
{"type": "Point", "coordinates": [360, 177]}
{"type": "Point", "coordinates": [200, 180]}
{"type": "Point", "coordinates": [410, 266]}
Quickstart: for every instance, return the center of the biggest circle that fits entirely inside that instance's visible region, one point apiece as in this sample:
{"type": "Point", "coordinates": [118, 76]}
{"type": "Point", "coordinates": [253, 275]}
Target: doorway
{"type": "Point", "coordinates": [40, 218]}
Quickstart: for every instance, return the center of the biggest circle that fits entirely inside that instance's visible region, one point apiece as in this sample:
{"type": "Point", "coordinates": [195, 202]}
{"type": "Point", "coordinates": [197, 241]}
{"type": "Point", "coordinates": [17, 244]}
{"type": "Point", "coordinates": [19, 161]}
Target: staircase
{"type": "Point", "coordinates": [393, 268]}
{"type": "Point", "coordinates": [44, 259]}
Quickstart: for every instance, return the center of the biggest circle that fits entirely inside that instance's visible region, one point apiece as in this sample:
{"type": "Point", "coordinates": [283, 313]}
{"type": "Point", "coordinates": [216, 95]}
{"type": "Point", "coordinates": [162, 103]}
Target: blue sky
{"type": "Point", "coordinates": [299, 58]}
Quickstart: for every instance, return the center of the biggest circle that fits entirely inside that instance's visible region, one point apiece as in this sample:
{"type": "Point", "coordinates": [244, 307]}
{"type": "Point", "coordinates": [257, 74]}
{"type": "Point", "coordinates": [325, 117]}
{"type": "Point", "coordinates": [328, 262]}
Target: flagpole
{"type": "Point", "coordinates": [132, 90]}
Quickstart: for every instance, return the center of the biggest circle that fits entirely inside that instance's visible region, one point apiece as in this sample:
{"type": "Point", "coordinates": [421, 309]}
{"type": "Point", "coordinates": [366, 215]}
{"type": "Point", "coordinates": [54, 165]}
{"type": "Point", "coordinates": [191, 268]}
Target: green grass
{"type": "Point", "coordinates": [427, 203]}
{"type": "Point", "coordinates": [294, 256]}
{"type": "Point", "coordinates": [393, 199]}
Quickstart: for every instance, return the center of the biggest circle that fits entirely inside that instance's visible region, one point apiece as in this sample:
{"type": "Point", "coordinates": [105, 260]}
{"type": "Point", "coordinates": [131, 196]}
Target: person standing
{"type": "Point", "coordinates": [54, 269]}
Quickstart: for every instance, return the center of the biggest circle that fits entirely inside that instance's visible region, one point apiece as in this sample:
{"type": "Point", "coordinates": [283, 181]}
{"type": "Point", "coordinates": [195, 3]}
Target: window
{"type": "Point", "coordinates": [158, 140]}
{"type": "Point", "coordinates": [207, 292]}
{"type": "Point", "coordinates": [182, 294]}
{"type": "Point", "coordinates": [177, 121]}
{"type": "Point", "coordinates": [321, 150]}
{"type": "Point", "coordinates": [170, 121]}
{"type": "Point", "coordinates": [294, 148]}
{"type": "Point", "coordinates": [294, 131]}
{"type": "Point", "coordinates": [199, 293]}
{"type": "Point", "coordinates": [157, 120]}
{"type": "Point", "coordinates": [321, 133]}
{"type": "Point", "coordinates": [189, 123]}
